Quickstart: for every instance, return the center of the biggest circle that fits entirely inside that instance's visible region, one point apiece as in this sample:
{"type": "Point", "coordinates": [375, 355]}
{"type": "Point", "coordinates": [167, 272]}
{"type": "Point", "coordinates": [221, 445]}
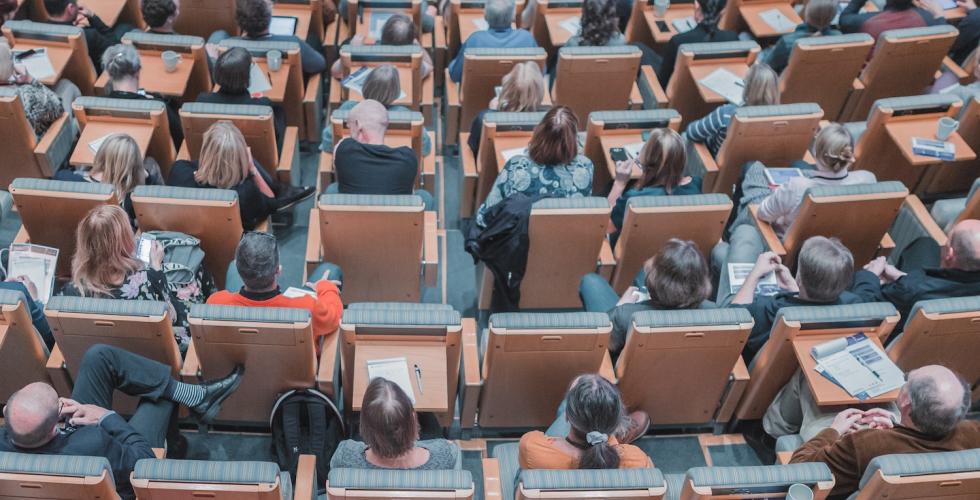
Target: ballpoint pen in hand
{"type": "Point", "coordinates": [418, 377]}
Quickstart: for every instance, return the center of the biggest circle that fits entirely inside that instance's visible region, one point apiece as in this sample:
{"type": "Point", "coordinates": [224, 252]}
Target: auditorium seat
{"type": "Point", "coordinates": [750, 138]}
{"type": "Point", "coordinates": [427, 335]}
{"type": "Point", "coordinates": [210, 215]}
{"type": "Point", "coordinates": [256, 124]}
{"type": "Point", "coordinates": [151, 46]}
{"type": "Point", "coordinates": [51, 210]}
{"type": "Point", "coordinates": [501, 132]}
{"type": "Point", "coordinates": [821, 70]}
{"type": "Point", "coordinates": [763, 481]}
{"type": "Point", "coordinates": [530, 359]}
{"type": "Point", "coordinates": [462, 18]}
{"type": "Point", "coordinates": [222, 480]}
{"type": "Point", "coordinates": [913, 224]}
{"type": "Point", "coordinates": [204, 17]}
{"type": "Point", "coordinates": [694, 62]}
{"type": "Point", "coordinates": [829, 210]}
{"type": "Point", "coordinates": [503, 478]}
{"type": "Point", "coordinates": [905, 62]}
{"type": "Point", "coordinates": [922, 476]}
{"type": "Point", "coordinates": [385, 244]}
{"type": "Point", "coordinates": [952, 210]}
{"type": "Point", "coordinates": [608, 129]}
{"type": "Point", "coordinates": [744, 16]}
{"type": "Point", "coordinates": [65, 44]}
{"type": "Point", "coordinates": [308, 14]}
{"type": "Point", "coordinates": [274, 344]}
{"type": "Point", "coordinates": [112, 12]}
{"type": "Point", "coordinates": [25, 154]}
{"type": "Point", "coordinates": [591, 79]}
{"type": "Point", "coordinates": [359, 14]}
{"type": "Point", "coordinates": [144, 120]}
{"type": "Point", "coordinates": [685, 355]}
{"type": "Point", "coordinates": [776, 362]}
{"type": "Point", "coordinates": [651, 221]}
{"type": "Point", "coordinates": [61, 477]}
{"type": "Point", "coordinates": [358, 484]}
{"type": "Point", "coordinates": [22, 350]}
{"type": "Point", "coordinates": [407, 59]}
{"type": "Point", "coordinates": [951, 178]}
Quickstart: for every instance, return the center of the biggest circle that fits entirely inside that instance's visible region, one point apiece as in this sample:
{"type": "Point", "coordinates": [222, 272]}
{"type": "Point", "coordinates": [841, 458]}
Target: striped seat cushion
{"type": "Point", "coordinates": [371, 200]}
{"type": "Point", "coordinates": [847, 313]}
{"type": "Point", "coordinates": [778, 110]}
{"type": "Point", "coordinates": [117, 307]}
{"type": "Point", "coordinates": [910, 103]}
{"type": "Point", "coordinates": [397, 116]}
{"type": "Point", "coordinates": [686, 200]}
{"type": "Point", "coordinates": [121, 105]}
{"type": "Point", "coordinates": [402, 317]}
{"type": "Point", "coordinates": [529, 118]}
{"type": "Point", "coordinates": [381, 51]}
{"type": "Point", "coordinates": [507, 457]}
{"type": "Point", "coordinates": [504, 52]}
{"type": "Point", "coordinates": [692, 317]}
{"type": "Point", "coordinates": [919, 464]}
{"type": "Point", "coordinates": [608, 50]}
{"type": "Point", "coordinates": [583, 203]}
{"type": "Point", "coordinates": [259, 47]}
{"type": "Point", "coordinates": [257, 314]}
{"type": "Point", "coordinates": [376, 479]}
{"type": "Point", "coordinates": [11, 297]}
{"type": "Point", "coordinates": [184, 193]}
{"type": "Point", "coordinates": [816, 41]}
{"type": "Point", "coordinates": [857, 189]}
{"type": "Point", "coordinates": [31, 29]}
{"type": "Point", "coordinates": [606, 479]}
{"type": "Point", "coordinates": [29, 183]}
{"type": "Point", "coordinates": [210, 108]}
{"type": "Point", "coordinates": [407, 306]}
{"type": "Point", "coordinates": [618, 118]}
{"type": "Point", "coordinates": [762, 476]}
{"type": "Point", "coordinates": [719, 47]}
{"type": "Point", "coordinates": [143, 38]}
{"type": "Point", "coordinates": [549, 321]}
{"type": "Point", "coordinates": [54, 465]}
{"type": "Point", "coordinates": [205, 471]}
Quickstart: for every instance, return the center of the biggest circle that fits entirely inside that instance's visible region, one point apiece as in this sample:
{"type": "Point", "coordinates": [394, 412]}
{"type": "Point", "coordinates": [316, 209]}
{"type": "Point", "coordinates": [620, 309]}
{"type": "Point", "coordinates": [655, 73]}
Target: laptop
{"type": "Point", "coordinates": [283, 25]}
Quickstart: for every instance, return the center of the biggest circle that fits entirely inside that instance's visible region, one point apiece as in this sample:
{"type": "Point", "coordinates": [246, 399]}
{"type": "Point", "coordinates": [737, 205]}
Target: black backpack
{"type": "Point", "coordinates": [306, 422]}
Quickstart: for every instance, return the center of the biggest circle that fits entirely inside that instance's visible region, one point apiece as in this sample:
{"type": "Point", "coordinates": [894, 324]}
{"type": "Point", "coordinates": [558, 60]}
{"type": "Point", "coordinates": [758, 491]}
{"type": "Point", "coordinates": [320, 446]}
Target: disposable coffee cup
{"type": "Point", "coordinates": [170, 60]}
{"type": "Point", "coordinates": [273, 59]}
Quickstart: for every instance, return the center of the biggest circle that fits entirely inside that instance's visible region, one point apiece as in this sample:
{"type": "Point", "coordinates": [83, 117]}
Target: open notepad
{"type": "Point", "coordinates": [726, 84]}
{"type": "Point", "coordinates": [858, 366]}
{"type": "Point", "coordinates": [777, 20]}
{"type": "Point", "coordinates": [258, 82]}
{"type": "Point", "coordinates": [38, 263]}
{"type": "Point", "coordinates": [394, 370]}
{"type": "Point", "coordinates": [37, 64]}
{"type": "Point", "coordinates": [355, 81]}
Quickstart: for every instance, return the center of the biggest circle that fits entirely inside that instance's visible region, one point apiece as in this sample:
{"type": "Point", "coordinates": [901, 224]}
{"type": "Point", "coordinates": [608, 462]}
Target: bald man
{"type": "Point", "coordinates": [932, 404]}
{"type": "Point", "coordinates": [32, 414]}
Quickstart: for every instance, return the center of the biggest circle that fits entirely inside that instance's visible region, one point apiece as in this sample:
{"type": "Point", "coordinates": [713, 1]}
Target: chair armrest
{"type": "Point", "coordinates": [324, 171]}
{"type": "Point", "coordinates": [470, 176]}
{"type": "Point", "coordinates": [22, 236]}
{"type": "Point", "coordinates": [184, 153]}
{"type": "Point", "coordinates": [430, 248]}
{"type": "Point", "coordinates": [325, 375]}
{"type": "Point", "coordinates": [738, 380]}
{"type": "Point", "coordinates": [58, 372]}
{"type": "Point", "coordinates": [472, 382]}
{"type": "Point", "coordinates": [607, 261]}
{"type": "Point", "coordinates": [305, 478]}
{"type": "Point", "coordinates": [191, 371]}
{"type": "Point", "coordinates": [289, 159]}
{"type": "Point", "coordinates": [491, 479]}
{"type": "Point", "coordinates": [606, 369]}
{"type": "Point", "coordinates": [159, 453]}
{"type": "Point", "coordinates": [783, 457]}
{"type": "Point", "coordinates": [636, 97]}
{"type": "Point", "coordinates": [336, 96]}
{"type": "Point", "coordinates": [101, 84]}
{"type": "Point", "coordinates": [709, 167]}
{"type": "Point", "coordinates": [769, 235]}
{"type": "Point", "coordinates": [886, 246]}
{"type": "Point", "coordinates": [962, 75]}
{"type": "Point", "coordinates": [313, 248]}
{"type": "Point", "coordinates": [313, 109]}
{"type": "Point", "coordinates": [912, 223]}
{"type": "Point", "coordinates": [454, 110]}
{"type": "Point", "coordinates": [428, 177]}
{"type": "Point", "coordinates": [918, 210]}
{"type": "Point", "coordinates": [440, 49]}
{"type": "Point", "coordinates": [54, 148]}
{"type": "Point", "coordinates": [651, 91]}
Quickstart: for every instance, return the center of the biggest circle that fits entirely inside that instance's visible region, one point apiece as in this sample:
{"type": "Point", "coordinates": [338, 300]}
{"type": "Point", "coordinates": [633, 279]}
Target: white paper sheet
{"type": "Point", "coordinates": [726, 84]}
{"type": "Point", "coordinates": [378, 20]}
{"type": "Point", "coordinates": [633, 149]}
{"type": "Point", "coordinates": [857, 365]}
{"type": "Point", "coordinates": [258, 82]}
{"type": "Point", "coordinates": [38, 263]}
{"type": "Point", "coordinates": [96, 145]}
{"type": "Point", "coordinates": [684, 24]}
{"type": "Point", "coordinates": [572, 25]}
{"type": "Point", "coordinates": [38, 65]}
{"type": "Point", "coordinates": [295, 293]}
{"type": "Point", "coordinates": [481, 23]}
{"type": "Point", "coordinates": [510, 153]}
{"type": "Point", "coordinates": [737, 272]}
{"type": "Point", "coordinates": [355, 81]}
{"type": "Point", "coordinates": [394, 370]}
{"type": "Point", "coordinates": [777, 20]}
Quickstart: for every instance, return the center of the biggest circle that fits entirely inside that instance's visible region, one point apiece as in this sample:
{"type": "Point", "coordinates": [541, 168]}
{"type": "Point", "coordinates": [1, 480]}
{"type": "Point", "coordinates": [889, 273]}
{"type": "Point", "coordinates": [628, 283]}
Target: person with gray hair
{"type": "Point", "coordinates": [499, 16]}
{"type": "Point", "coordinates": [122, 63]}
{"type": "Point", "coordinates": [930, 417]}
{"type": "Point", "coordinates": [255, 273]}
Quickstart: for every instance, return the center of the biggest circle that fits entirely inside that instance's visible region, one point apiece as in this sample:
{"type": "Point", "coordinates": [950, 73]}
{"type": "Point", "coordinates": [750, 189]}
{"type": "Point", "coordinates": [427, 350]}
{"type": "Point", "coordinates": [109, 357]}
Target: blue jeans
{"type": "Point", "coordinates": [427, 199]}
{"type": "Point", "coordinates": [560, 427]}
{"type": "Point", "coordinates": [234, 283]}
{"type": "Point", "coordinates": [597, 294]}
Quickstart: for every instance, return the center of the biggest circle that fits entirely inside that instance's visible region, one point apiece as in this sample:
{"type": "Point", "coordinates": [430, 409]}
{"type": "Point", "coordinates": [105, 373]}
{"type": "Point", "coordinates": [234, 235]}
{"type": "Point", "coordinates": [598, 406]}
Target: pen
{"type": "Point", "coordinates": [25, 54]}
{"type": "Point", "coordinates": [418, 377]}
{"type": "Point", "coordinates": [866, 365]}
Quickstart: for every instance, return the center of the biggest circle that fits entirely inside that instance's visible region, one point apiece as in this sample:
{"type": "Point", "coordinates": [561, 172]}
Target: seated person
{"type": "Point", "coordinates": [661, 161]}
{"type": "Point", "coordinates": [231, 74]}
{"type": "Point", "coordinates": [761, 89]}
{"type": "Point", "coordinates": [818, 15]}
{"type": "Point", "coordinates": [933, 405]}
{"type": "Point", "coordinates": [42, 106]}
{"type": "Point", "coordinates": [398, 30]}
{"type": "Point", "coordinates": [895, 15]}
{"type": "Point", "coordinates": [33, 414]}
{"type": "Point", "coordinates": [383, 85]}
{"type": "Point", "coordinates": [677, 277]}
{"type": "Point", "coordinates": [591, 431]}
{"type": "Point", "coordinates": [118, 163]}
{"type": "Point", "coordinates": [226, 163]}
{"type": "Point", "coordinates": [257, 269]}
{"type": "Point", "coordinates": [600, 26]}
{"type": "Point", "coordinates": [98, 36]}
{"type": "Point", "coordinates": [160, 15]}
{"type": "Point", "coordinates": [254, 18]}
{"type": "Point", "coordinates": [390, 429]}
{"type": "Point", "coordinates": [122, 63]}
{"type": "Point", "coordinates": [8, 10]}
{"type": "Point", "coordinates": [429, 12]}
{"type": "Point", "coordinates": [824, 276]}
{"type": "Point", "coordinates": [499, 34]}
{"type": "Point", "coordinates": [521, 90]}
{"type": "Point", "coordinates": [552, 166]}
{"type": "Point", "coordinates": [707, 13]}
{"type": "Point", "coordinates": [969, 27]}
{"type": "Point", "coordinates": [968, 91]}
{"type": "Point", "coordinates": [833, 150]}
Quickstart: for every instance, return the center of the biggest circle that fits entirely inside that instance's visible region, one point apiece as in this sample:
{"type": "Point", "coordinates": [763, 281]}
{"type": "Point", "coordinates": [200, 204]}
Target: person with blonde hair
{"type": "Point", "coordinates": [761, 89]}
{"type": "Point", "coordinates": [226, 163]}
{"type": "Point", "coordinates": [522, 89]}
{"type": "Point", "coordinates": [41, 105]}
{"type": "Point", "coordinates": [818, 15]}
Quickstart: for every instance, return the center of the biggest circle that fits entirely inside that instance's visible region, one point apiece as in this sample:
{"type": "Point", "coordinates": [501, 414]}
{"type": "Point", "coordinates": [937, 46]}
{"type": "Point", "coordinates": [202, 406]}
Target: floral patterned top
{"type": "Point", "coordinates": [521, 174]}
{"type": "Point", "coordinates": [41, 105]}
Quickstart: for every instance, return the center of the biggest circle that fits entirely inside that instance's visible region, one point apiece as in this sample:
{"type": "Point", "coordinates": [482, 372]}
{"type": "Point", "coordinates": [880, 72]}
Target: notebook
{"type": "Point", "coordinates": [857, 365]}
{"type": "Point", "coordinates": [38, 64]}
{"type": "Point", "coordinates": [726, 84]}
{"type": "Point", "coordinates": [777, 20]}
{"type": "Point", "coordinates": [38, 263]}
{"type": "Point", "coordinates": [394, 370]}
{"type": "Point", "coordinates": [96, 145]}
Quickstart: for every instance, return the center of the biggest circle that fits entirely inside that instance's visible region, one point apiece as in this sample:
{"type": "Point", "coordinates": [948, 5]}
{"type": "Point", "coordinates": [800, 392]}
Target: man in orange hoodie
{"type": "Point", "coordinates": [257, 264]}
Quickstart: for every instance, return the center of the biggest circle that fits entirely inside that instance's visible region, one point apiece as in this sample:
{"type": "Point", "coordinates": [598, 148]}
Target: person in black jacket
{"type": "Point", "coordinates": [34, 413]}
{"type": "Point", "coordinates": [231, 73]}
{"type": "Point", "coordinates": [969, 27]}
{"type": "Point", "coordinates": [122, 63]}
{"type": "Point", "coordinates": [706, 14]}
{"type": "Point", "coordinates": [98, 36]}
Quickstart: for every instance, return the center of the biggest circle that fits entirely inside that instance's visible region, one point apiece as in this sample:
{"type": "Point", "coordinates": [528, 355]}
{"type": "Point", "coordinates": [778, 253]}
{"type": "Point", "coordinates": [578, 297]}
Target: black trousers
{"type": "Point", "coordinates": [105, 369]}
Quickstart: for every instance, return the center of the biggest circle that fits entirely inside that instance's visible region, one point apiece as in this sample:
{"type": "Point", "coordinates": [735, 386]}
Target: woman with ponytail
{"type": "Point", "coordinates": [591, 425]}
{"type": "Point", "coordinates": [706, 14]}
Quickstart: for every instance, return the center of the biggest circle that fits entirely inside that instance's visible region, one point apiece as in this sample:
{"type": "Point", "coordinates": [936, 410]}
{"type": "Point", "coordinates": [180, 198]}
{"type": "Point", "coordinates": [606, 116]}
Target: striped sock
{"type": "Point", "coordinates": [186, 394]}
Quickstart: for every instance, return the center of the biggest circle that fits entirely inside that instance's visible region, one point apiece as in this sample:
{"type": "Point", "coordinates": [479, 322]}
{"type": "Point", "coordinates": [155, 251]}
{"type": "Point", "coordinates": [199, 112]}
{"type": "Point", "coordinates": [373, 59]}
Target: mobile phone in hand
{"type": "Point", "coordinates": [618, 154]}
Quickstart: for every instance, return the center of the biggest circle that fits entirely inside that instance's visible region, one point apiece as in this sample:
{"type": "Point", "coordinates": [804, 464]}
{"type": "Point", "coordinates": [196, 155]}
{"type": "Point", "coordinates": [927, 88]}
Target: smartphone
{"type": "Point", "coordinates": [618, 154]}
{"type": "Point", "coordinates": [662, 26]}
{"type": "Point", "coordinates": [144, 247]}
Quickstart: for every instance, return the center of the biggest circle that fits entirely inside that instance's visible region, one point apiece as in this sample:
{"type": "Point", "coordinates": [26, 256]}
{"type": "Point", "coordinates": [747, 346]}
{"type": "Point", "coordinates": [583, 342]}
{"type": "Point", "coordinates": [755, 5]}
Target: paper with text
{"type": "Point", "coordinates": [394, 370]}
{"type": "Point", "coordinates": [726, 84]}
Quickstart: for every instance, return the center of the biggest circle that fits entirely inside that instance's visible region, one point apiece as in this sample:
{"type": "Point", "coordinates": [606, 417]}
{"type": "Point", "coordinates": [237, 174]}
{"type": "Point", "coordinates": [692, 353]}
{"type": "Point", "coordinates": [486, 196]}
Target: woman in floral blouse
{"type": "Point", "coordinates": [551, 168]}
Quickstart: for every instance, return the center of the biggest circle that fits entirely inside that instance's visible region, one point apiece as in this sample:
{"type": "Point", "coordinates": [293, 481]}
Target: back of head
{"type": "Point", "coordinates": [257, 260]}
{"type": "Point", "coordinates": [56, 8]}
{"type": "Point", "coordinates": [499, 14]}
{"type": "Point", "coordinates": [594, 410]}
{"type": "Point", "coordinates": [599, 22]}
{"type": "Point", "coordinates": [120, 163]}
{"type": "Point", "coordinates": [964, 240]}
{"type": "Point", "coordinates": [834, 148]}
{"type": "Point", "coordinates": [825, 268]}
{"type": "Point", "coordinates": [369, 116]}
{"type": "Point", "coordinates": [663, 158]}
{"type": "Point", "coordinates": [938, 399]}
{"type": "Point", "coordinates": [383, 85]}
{"type": "Point", "coordinates": [555, 140]}
{"type": "Point", "coordinates": [232, 70]}
{"type": "Point", "coordinates": [710, 13]}
{"type": "Point", "coordinates": [398, 30]}
{"type": "Point", "coordinates": [389, 425]}
{"type": "Point", "coordinates": [761, 86]}
{"type": "Point", "coordinates": [819, 14]}
{"type": "Point", "coordinates": [121, 61]}
{"type": "Point", "coordinates": [31, 415]}
{"type": "Point", "coordinates": [157, 12]}
{"type": "Point", "coordinates": [6, 61]}
{"type": "Point", "coordinates": [899, 4]}
{"type": "Point", "coordinates": [678, 277]}
{"type": "Point", "coordinates": [104, 247]}
{"type": "Point", "coordinates": [224, 159]}
{"type": "Point", "coordinates": [253, 16]}
{"type": "Point", "coordinates": [522, 89]}
{"type": "Point", "coordinates": [6, 7]}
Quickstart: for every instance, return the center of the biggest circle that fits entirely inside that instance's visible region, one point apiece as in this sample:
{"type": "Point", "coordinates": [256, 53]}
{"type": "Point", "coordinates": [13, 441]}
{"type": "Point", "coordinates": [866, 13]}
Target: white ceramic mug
{"type": "Point", "coordinates": [273, 59]}
{"type": "Point", "coordinates": [660, 7]}
{"type": "Point", "coordinates": [946, 128]}
{"type": "Point", "coordinates": [170, 60]}
{"type": "Point", "coordinates": [799, 492]}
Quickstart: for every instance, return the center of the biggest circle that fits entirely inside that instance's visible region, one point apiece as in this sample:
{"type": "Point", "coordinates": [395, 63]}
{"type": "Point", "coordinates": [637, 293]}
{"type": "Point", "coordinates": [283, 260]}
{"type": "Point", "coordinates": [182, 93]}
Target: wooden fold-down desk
{"type": "Point", "coordinates": [902, 132]}
{"type": "Point", "coordinates": [95, 130]}
{"type": "Point", "coordinates": [556, 32]}
{"type": "Point", "coordinates": [431, 359]}
{"type": "Point", "coordinates": [825, 392]}
{"type": "Point", "coordinates": [154, 76]}
{"type": "Point", "coordinates": [59, 55]}
{"type": "Point", "coordinates": [610, 141]}
{"type": "Point", "coordinates": [674, 12]}
{"type": "Point", "coordinates": [700, 71]}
